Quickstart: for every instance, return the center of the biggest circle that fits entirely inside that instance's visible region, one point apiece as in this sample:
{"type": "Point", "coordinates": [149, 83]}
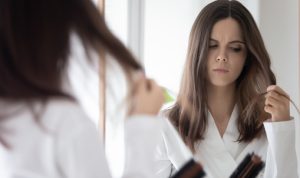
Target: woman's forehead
{"type": "Point", "coordinates": [227, 30]}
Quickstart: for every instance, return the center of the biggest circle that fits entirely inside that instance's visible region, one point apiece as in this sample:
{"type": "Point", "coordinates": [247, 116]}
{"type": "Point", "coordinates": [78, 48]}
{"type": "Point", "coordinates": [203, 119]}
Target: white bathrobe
{"type": "Point", "coordinates": [220, 155]}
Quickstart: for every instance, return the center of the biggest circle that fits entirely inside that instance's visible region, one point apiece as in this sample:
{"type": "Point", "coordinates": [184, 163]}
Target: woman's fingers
{"type": "Point", "coordinates": [278, 90]}
{"type": "Point", "coordinates": [277, 103]}
{"type": "Point", "coordinates": [147, 97]}
{"type": "Point", "coordinates": [276, 100]}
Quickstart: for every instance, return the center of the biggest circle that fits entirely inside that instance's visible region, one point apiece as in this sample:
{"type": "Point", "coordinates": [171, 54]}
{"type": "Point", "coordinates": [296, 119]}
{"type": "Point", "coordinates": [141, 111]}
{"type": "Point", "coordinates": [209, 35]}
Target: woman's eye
{"type": "Point", "coordinates": [236, 49]}
{"type": "Point", "coordinates": [213, 46]}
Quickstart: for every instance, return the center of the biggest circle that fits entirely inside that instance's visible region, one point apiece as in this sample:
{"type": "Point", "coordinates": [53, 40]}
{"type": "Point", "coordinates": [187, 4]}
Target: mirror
{"type": "Point", "coordinates": [157, 33]}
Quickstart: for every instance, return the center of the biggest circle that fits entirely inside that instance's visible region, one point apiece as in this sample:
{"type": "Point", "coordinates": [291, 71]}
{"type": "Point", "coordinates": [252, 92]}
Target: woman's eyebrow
{"type": "Point", "coordinates": [237, 41]}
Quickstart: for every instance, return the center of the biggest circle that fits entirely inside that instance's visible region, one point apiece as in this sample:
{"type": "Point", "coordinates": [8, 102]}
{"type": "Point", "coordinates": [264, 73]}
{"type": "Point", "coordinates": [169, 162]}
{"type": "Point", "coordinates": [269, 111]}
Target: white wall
{"type": "Point", "coordinates": [279, 25]}
{"type": "Point", "coordinates": [167, 27]}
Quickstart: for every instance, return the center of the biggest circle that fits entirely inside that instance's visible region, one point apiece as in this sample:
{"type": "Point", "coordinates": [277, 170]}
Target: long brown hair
{"type": "Point", "coordinates": [34, 44]}
{"type": "Point", "coordinates": [189, 114]}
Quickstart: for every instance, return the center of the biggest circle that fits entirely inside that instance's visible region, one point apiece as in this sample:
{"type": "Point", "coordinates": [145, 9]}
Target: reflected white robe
{"type": "Point", "coordinates": [72, 148]}
{"type": "Point", "coordinates": [66, 144]}
{"type": "Point", "coordinates": [220, 156]}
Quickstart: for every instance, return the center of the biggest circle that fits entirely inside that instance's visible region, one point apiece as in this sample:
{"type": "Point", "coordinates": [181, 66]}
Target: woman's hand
{"type": "Point", "coordinates": [277, 103]}
{"type": "Point", "coordinates": [147, 97]}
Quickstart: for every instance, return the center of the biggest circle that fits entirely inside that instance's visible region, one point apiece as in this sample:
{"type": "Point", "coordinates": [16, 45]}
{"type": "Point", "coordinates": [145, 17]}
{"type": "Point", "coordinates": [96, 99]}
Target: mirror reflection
{"type": "Point", "coordinates": [158, 33]}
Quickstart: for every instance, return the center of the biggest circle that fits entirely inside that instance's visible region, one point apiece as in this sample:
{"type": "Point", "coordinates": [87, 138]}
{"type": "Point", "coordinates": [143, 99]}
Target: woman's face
{"type": "Point", "coordinates": [226, 54]}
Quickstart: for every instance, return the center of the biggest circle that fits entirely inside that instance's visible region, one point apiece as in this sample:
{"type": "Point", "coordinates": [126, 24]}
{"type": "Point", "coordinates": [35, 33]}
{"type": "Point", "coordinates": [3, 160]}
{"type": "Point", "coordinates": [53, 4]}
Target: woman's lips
{"type": "Point", "coordinates": [221, 70]}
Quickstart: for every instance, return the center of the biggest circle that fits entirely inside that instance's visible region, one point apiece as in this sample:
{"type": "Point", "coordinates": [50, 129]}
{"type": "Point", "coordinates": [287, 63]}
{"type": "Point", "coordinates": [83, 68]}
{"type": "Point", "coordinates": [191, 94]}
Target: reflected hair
{"type": "Point", "coordinates": [35, 46]}
{"type": "Point", "coordinates": [189, 114]}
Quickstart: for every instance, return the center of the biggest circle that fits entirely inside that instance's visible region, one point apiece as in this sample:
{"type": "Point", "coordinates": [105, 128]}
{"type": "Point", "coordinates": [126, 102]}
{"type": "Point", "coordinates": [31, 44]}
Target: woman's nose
{"type": "Point", "coordinates": [221, 59]}
{"type": "Point", "coordinates": [222, 56]}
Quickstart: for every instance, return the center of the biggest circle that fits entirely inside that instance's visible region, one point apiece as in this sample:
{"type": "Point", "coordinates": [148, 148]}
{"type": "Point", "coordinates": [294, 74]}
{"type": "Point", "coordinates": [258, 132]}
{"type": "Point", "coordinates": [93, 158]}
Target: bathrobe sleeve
{"type": "Point", "coordinates": [281, 155]}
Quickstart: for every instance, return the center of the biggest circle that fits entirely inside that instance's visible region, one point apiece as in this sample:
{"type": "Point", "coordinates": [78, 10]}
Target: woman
{"type": "Point", "coordinates": [221, 113]}
{"type": "Point", "coordinates": [43, 129]}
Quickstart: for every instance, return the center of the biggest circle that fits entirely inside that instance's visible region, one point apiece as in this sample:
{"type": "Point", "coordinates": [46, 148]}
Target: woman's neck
{"type": "Point", "coordinates": [221, 101]}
